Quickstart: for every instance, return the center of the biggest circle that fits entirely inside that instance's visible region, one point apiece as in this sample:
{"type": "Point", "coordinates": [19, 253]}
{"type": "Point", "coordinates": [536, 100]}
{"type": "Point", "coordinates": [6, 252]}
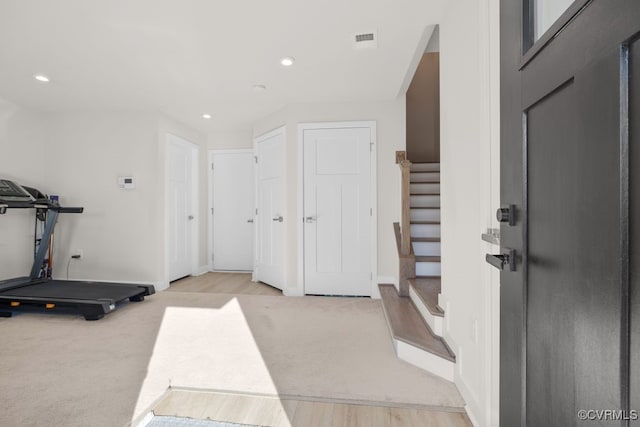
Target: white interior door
{"type": "Point", "coordinates": [233, 212]}
{"type": "Point", "coordinates": [337, 211]}
{"type": "Point", "coordinates": [179, 206]}
{"type": "Point", "coordinates": [271, 207]}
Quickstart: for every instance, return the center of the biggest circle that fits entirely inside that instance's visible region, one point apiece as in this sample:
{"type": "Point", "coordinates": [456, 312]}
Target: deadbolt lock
{"type": "Point", "coordinates": [507, 214]}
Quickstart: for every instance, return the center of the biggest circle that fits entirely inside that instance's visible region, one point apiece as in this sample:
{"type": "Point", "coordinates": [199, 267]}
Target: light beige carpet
{"type": "Point", "coordinates": [64, 371]}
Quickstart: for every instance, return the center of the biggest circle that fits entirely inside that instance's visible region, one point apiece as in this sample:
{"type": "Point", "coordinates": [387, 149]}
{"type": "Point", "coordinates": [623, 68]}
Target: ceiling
{"type": "Point", "coordinates": [189, 57]}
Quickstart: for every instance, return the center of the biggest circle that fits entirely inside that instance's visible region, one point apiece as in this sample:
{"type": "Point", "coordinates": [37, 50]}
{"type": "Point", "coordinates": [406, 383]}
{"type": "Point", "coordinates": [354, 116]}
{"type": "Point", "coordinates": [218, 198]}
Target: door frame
{"type": "Point", "coordinates": [195, 204]}
{"type": "Point", "coordinates": [371, 125]}
{"type": "Point", "coordinates": [282, 130]}
{"type": "Point", "coordinates": [210, 235]}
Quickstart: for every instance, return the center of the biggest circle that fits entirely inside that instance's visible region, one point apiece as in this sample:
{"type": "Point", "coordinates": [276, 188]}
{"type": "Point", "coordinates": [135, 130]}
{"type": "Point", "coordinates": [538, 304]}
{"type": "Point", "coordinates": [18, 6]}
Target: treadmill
{"type": "Point", "coordinates": [91, 299]}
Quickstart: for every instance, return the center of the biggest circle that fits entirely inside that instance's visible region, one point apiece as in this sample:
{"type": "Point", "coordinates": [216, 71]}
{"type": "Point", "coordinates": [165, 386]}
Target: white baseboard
{"type": "Point", "coordinates": [423, 359]}
{"type": "Point", "coordinates": [234, 271]}
{"type": "Point", "coordinates": [162, 286]}
{"type": "Point", "coordinates": [434, 322]}
{"type": "Point", "coordinates": [204, 269]}
{"type": "Point", "coordinates": [292, 292]}
{"type": "Point", "coordinates": [471, 416]}
{"type": "Point", "coordinates": [473, 406]}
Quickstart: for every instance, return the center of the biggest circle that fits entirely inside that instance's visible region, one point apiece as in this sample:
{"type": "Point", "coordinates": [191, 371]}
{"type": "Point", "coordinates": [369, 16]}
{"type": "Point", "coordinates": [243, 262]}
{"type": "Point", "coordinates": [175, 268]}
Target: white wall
{"type": "Point", "coordinates": [119, 231]}
{"type": "Point", "coordinates": [79, 157]}
{"type": "Point", "coordinates": [390, 121]}
{"type": "Point", "coordinates": [22, 159]}
{"type": "Point", "coordinates": [234, 139]}
{"type": "Point", "coordinates": [469, 89]}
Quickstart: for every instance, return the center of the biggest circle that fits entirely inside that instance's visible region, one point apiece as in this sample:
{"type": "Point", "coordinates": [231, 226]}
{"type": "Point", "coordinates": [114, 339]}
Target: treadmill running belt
{"type": "Point", "coordinates": [76, 290]}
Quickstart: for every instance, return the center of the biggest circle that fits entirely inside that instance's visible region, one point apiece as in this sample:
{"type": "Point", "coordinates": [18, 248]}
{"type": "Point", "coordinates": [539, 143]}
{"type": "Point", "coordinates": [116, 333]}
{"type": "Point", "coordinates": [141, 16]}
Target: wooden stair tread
{"type": "Point", "coordinates": [425, 239]}
{"type": "Point", "coordinates": [407, 325]}
{"type": "Point", "coordinates": [420, 167]}
{"type": "Point", "coordinates": [420, 258]}
{"type": "Point", "coordinates": [425, 180]}
{"type": "Point", "coordinates": [428, 290]}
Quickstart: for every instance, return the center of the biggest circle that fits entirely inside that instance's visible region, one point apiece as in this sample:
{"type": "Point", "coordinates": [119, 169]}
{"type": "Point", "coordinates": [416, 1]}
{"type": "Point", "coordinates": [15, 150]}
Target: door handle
{"type": "Point", "coordinates": [250, 220]}
{"type": "Point", "coordinates": [190, 217]}
{"type": "Point", "coordinates": [278, 219]}
{"type": "Point", "coordinates": [310, 219]}
{"type": "Point", "coordinates": [502, 260]}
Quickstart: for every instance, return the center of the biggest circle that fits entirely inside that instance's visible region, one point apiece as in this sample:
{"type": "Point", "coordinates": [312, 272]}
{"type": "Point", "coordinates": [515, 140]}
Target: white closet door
{"type": "Point", "coordinates": [337, 211]}
{"type": "Point", "coordinates": [233, 196]}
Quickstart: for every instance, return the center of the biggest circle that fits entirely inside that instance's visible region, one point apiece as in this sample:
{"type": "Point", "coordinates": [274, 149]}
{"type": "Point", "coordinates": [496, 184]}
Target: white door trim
{"type": "Point", "coordinates": [302, 127]}
{"type": "Point", "coordinates": [282, 130]}
{"type": "Point", "coordinates": [195, 204]}
{"type": "Point", "coordinates": [210, 235]}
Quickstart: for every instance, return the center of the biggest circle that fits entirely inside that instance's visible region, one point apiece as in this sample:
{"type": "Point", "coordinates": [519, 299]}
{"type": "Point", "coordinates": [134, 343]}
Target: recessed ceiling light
{"type": "Point", "coordinates": [259, 88]}
{"type": "Point", "coordinates": [41, 78]}
{"type": "Point", "coordinates": [206, 116]}
{"type": "Point", "coordinates": [287, 61]}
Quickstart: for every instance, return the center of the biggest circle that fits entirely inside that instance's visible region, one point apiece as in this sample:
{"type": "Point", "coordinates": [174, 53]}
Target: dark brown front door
{"type": "Point", "coordinates": [570, 159]}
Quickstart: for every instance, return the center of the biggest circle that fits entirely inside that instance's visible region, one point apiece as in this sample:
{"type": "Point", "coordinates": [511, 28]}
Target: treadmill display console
{"type": "Point", "coordinates": [12, 192]}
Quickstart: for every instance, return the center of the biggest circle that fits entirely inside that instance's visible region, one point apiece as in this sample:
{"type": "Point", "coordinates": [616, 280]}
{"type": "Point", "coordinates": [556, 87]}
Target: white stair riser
{"type": "Point", "coordinates": [425, 215]}
{"type": "Point", "coordinates": [425, 176]}
{"type": "Point", "coordinates": [425, 230]}
{"type": "Point", "coordinates": [425, 188]}
{"type": "Point", "coordinates": [425, 167]}
{"type": "Point", "coordinates": [426, 248]}
{"type": "Point", "coordinates": [425, 360]}
{"type": "Point", "coordinates": [427, 201]}
{"type": "Point", "coordinates": [428, 269]}
{"type": "Point", "coordinates": [434, 322]}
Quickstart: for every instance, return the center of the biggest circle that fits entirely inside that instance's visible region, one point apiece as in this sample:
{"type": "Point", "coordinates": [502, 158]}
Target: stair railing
{"type": "Point", "coordinates": [405, 223]}
{"type": "Point", "coordinates": [406, 258]}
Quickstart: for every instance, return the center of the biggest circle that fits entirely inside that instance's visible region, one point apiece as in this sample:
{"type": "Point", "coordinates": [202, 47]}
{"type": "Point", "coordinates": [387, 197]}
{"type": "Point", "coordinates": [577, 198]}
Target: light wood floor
{"type": "Point", "coordinates": [223, 283]}
{"type": "Point", "coordinates": [277, 412]}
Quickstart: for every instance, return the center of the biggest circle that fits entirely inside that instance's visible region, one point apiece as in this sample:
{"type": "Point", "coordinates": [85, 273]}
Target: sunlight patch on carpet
{"type": "Point", "coordinates": [204, 348]}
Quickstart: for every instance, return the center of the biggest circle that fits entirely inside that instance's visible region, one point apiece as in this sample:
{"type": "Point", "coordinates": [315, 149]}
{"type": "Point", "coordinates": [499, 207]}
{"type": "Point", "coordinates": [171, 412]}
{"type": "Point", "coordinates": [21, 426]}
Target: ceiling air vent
{"type": "Point", "coordinates": [365, 40]}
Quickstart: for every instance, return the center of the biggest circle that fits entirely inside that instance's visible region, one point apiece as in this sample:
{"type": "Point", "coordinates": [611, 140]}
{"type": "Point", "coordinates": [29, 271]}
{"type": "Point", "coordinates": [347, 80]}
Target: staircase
{"type": "Point", "coordinates": [425, 217]}
{"type": "Point", "coordinates": [414, 317]}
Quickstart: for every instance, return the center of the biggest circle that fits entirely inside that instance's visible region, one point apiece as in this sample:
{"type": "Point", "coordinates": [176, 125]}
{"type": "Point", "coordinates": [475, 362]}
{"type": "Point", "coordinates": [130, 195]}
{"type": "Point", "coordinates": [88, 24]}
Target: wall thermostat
{"type": "Point", "coordinates": [126, 182]}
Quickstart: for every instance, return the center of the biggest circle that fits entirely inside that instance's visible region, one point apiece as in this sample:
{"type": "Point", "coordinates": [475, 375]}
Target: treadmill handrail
{"type": "Point", "coordinates": [68, 209]}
